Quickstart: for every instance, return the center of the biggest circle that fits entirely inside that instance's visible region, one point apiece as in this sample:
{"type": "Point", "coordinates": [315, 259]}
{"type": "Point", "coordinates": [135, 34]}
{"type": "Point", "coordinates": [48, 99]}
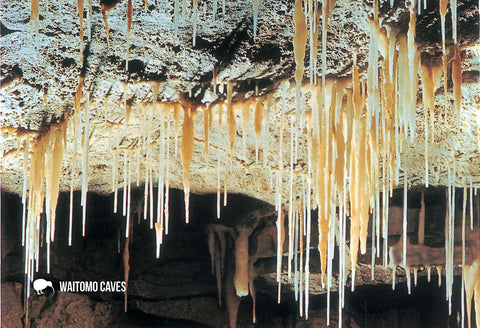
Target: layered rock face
{"type": "Point", "coordinates": [321, 109]}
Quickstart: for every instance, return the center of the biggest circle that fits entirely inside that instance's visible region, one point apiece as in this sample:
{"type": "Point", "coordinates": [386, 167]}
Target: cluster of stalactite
{"type": "Point", "coordinates": [355, 131]}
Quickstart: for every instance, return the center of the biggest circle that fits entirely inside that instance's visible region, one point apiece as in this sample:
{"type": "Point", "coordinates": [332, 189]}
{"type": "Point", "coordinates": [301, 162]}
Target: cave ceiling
{"type": "Point", "coordinates": [41, 72]}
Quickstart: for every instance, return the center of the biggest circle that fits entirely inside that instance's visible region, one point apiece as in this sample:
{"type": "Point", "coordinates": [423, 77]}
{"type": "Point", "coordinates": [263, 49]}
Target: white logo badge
{"type": "Point", "coordinates": [40, 284]}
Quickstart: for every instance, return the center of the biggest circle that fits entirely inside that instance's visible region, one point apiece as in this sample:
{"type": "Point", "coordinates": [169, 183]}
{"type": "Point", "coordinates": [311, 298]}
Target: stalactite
{"type": "Point", "coordinates": [76, 115]}
{"type": "Point", "coordinates": [129, 184]}
{"type": "Point", "coordinates": [232, 127]}
{"type": "Point", "coordinates": [308, 240]}
{"type": "Point", "coordinates": [439, 273]}
{"type": "Point", "coordinates": [106, 6]}
{"type": "Point", "coordinates": [89, 20]}
{"type": "Point", "coordinates": [372, 76]}
{"type": "Point", "coordinates": [299, 44]}
{"type": "Point", "coordinates": [251, 287]}
{"type": "Point", "coordinates": [278, 206]}
{"type": "Point", "coordinates": [449, 235]}
{"type": "Point", "coordinates": [207, 122]}
{"type": "Point", "coordinates": [311, 29]}
{"type": "Point", "coordinates": [146, 189]}
{"type": "Point", "coordinates": [161, 170]}
{"type": "Point", "coordinates": [176, 125]}
{"type": "Point", "coordinates": [246, 117]}
{"type": "Point", "coordinates": [158, 238]}
{"type": "Point", "coordinates": [137, 162]}
{"type": "Point", "coordinates": [403, 85]}
{"type": "Point", "coordinates": [126, 266]}
{"type": "Point", "coordinates": [240, 280]}
{"type": "Point", "coordinates": [34, 15]}
{"type": "Point", "coordinates": [453, 8]}
{"type": "Point", "coordinates": [214, 13]}
{"type": "Point", "coordinates": [114, 178]}
{"type": "Point", "coordinates": [176, 15]}
{"type": "Point", "coordinates": [421, 221]}
{"type": "Point", "coordinates": [195, 17]}
{"type": "Point", "coordinates": [412, 69]}
{"type": "Point", "coordinates": [80, 15]}
{"type": "Point", "coordinates": [354, 172]}
{"type": "Point", "coordinates": [280, 241]}
{"type": "Point", "coordinates": [257, 125]}
{"type": "Point", "coordinates": [409, 280]}
{"type": "Point", "coordinates": [44, 176]}
{"type": "Point", "coordinates": [345, 151]}
{"type": "Point", "coordinates": [291, 210]}
{"type": "Point", "coordinates": [300, 266]}
{"type": "Point", "coordinates": [443, 12]}
{"type": "Point", "coordinates": [26, 149]}
{"type": "Point", "coordinates": [85, 150]}
{"type": "Point", "coordinates": [186, 150]}
{"type": "Point", "coordinates": [394, 274]}
{"type": "Point", "coordinates": [462, 292]}
{"type": "Point", "coordinates": [266, 130]}
{"type": "Point", "coordinates": [471, 282]}
{"type": "Point", "coordinates": [429, 85]}
{"type": "Point", "coordinates": [295, 233]}
{"type": "Point", "coordinates": [217, 249]}
{"type": "Point", "coordinates": [70, 216]}
{"type": "Point", "coordinates": [129, 26]}
{"type": "Point", "coordinates": [471, 204]}
{"type": "Point", "coordinates": [233, 302]}
{"type": "Point", "coordinates": [255, 6]}
{"type": "Point", "coordinates": [53, 166]}
{"type": "Point", "coordinates": [405, 210]}
{"type": "Point", "coordinates": [219, 190]}
{"type": "Point", "coordinates": [225, 192]}
{"type": "Point", "coordinates": [457, 78]}
{"type": "Point", "coordinates": [167, 183]}
{"type": "Point", "coordinates": [124, 195]}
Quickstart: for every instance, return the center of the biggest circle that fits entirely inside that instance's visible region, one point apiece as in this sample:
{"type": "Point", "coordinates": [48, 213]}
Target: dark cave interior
{"type": "Point", "coordinates": [178, 289]}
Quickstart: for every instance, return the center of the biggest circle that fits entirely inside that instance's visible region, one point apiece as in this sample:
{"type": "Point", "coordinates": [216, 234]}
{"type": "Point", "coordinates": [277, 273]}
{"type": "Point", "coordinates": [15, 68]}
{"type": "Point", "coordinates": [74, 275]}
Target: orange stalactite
{"type": "Point", "coordinates": [186, 150]}
{"type": "Point", "coordinates": [443, 13]}
{"type": "Point", "coordinates": [129, 26]}
{"type": "Point", "coordinates": [34, 15]}
{"type": "Point", "coordinates": [207, 123]}
{"type": "Point", "coordinates": [232, 125]}
{"type": "Point", "coordinates": [106, 6]}
{"type": "Point", "coordinates": [259, 115]}
{"type": "Point", "coordinates": [80, 15]}
{"type": "Point", "coordinates": [299, 44]}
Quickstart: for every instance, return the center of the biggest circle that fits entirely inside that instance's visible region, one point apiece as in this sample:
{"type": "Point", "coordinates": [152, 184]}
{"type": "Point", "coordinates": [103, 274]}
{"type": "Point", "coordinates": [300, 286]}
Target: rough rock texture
{"type": "Point", "coordinates": [12, 310]}
{"type": "Point", "coordinates": [40, 74]}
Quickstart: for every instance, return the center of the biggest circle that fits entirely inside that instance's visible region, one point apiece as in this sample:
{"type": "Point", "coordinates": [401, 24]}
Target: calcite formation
{"type": "Point", "coordinates": [97, 111]}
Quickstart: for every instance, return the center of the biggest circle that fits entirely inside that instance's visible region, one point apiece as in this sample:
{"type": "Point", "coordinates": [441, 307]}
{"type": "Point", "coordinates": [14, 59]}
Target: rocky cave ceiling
{"type": "Point", "coordinates": [41, 74]}
{"type": "Point", "coordinates": [219, 97]}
